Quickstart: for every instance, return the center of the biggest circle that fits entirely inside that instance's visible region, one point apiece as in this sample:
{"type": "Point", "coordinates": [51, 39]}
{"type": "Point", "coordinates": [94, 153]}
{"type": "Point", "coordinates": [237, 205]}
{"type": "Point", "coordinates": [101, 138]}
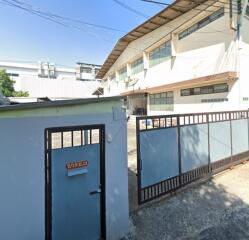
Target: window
{"type": "Point", "coordinates": [160, 54]}
{"type": "Point", "coordinates": [202, 23]}
{"type": "Point", "coordinates": [218, 88]}
{"type": "Point", "coordinates": [86, 70]}
{"type": "Point", "coordinates": [206, 90]}
{"type": "Point", "coordinates": [46, 70]}
{"type": "Point", "coordinates": [162, 101]}
{"type": "Point", "coordinates": [137, 66]}
{"type": "Point", "coordinates": [185, 92]}
{"type": "Point", "coordinates": [122, 74]}
{"type": "Point", "coordinates": [13, 74]}
{"type": "Point", "coordinates": [112, 77]}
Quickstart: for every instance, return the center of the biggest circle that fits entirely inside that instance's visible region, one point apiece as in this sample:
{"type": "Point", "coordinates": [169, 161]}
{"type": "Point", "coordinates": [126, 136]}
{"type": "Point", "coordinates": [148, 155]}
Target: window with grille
{"type": "Point", "coordinates": [160, 54]}
{"type": "Point", "coordinates": [112, 77]}
{"type": "Point", "coordinates": [137, 66]}
{"type": "Point", "coordinates": [122, 74]}
{"type": "Point", "coordinates": [204, 22]}
{"type": "Point", "coordinates": [162, 101]}
{"type": "Point", "coordinates": [217, 88]}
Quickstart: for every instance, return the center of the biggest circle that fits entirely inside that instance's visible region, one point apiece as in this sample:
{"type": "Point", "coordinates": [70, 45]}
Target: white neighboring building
{"type": "Point", "coordinates": [186, 58]}
{"type": "Point", "coordinates": [46, 80]}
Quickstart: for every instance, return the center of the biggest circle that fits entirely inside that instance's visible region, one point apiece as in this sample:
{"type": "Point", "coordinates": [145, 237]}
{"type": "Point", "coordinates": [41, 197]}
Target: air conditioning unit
{"type": "Point", "coordinates": [127, 80]}
{"type": "Point", "coordinates": [132, 81]}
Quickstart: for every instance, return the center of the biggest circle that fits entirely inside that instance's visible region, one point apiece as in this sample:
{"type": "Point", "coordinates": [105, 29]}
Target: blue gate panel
{"type": "Point", "coordinates": [75, 213]}
{"type": "Point", "coordinates": [194, 146]}
{"type": "Point", "coordinates": [220, 141]}
{"type": "Point", "coordinates": [240, 136]}
{"type": "Point", "coordinates": [159, 155]}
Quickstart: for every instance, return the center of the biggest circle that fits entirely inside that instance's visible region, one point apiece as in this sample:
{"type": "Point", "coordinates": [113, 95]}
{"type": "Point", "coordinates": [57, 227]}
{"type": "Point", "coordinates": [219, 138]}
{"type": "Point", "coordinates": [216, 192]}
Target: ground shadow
{"type": "Point", "coordinates": [206, 211]}
{"type": "Point", "coordinates": [210, 210]}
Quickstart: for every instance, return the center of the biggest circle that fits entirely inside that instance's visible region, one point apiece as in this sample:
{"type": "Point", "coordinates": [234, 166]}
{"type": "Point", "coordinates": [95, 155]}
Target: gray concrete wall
{"type": "Point", "coordinates": [22, 183]}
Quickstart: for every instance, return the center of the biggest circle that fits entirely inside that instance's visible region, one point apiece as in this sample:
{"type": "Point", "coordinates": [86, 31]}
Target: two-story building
{"type": "Point", "coordinates": [44, 79]}
{"type": "Point", "coordinates": [191, 57]}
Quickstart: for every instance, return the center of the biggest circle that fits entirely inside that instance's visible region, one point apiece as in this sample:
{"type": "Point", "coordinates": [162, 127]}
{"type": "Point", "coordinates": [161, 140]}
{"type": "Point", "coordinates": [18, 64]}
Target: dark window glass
{"type": "Point", "coordinates": [202, 23]}
{"type": "Point", "coordinates": [137, 66]}
{"type": "Point", "coordinates": [207, 90]}
{"type": "Point", "coordinates": [162, 101]}
{"type": "Point", "coordinates": [13, 74]}
{"type": "Point", "coordinates": [122, 74]}
{"type": "Point", "coordinates": [185, 92]}
{"type": "Point", "coordinates": [197, 91]}
{"type": "Point", "coordinates": [160, 54]}
{"type": "Point", "coordinates": [218, 88]}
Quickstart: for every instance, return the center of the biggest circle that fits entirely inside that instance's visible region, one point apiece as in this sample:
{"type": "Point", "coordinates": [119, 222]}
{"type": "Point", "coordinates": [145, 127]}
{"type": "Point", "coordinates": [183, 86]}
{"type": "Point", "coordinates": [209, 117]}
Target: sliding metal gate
{"type": "Point", "coordinates": [175, 150]}
{"type": "Point", "coordinates": [75, 183]}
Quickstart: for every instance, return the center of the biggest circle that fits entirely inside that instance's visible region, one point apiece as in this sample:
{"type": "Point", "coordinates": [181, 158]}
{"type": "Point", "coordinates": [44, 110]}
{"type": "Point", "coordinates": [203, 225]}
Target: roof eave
{"type": "Point", "coordinates": [129, 37]}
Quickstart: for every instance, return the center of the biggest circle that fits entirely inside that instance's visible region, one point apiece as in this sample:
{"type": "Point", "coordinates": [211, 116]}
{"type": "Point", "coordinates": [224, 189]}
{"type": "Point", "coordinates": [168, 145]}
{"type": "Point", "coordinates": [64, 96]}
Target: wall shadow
{"type": "Point", "coordinates": [215, 209]}
{"type": "Point", "coordinates": [205, 211]}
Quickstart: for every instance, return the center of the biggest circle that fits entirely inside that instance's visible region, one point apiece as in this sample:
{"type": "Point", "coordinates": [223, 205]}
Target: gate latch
{"type": "Point", "coordinates": [98, 191]}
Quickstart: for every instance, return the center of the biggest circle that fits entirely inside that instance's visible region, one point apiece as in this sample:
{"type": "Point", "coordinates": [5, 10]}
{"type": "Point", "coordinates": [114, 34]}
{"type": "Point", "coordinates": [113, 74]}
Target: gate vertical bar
{"type": "Point", "coordinates": [179, 150]}
{"type": "Point", "coordinates": [231, 138]}
{"type": "Point", "coordinates": [209, 157]}
{"type": "Point", "coordinates": [102, 181]}
{"type": "Point", "coordinates": [48, 200]}
{"type": "Point", "coordinates": [138, 160]}
{"type": "Point", "coordinates": [46, 185]}
{"type": "Point", "coordinates": [248, 128]}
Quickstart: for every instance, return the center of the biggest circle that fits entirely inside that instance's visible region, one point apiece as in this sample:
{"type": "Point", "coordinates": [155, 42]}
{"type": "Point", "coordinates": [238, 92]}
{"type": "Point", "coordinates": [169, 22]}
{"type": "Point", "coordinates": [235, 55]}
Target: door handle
{"type": "Point", "coordinates": [98, 191]}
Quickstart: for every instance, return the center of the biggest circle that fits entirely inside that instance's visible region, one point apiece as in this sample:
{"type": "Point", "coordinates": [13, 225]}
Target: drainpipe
{"type": "Point", "coordinates": [231, 15]}
{"type": "Point", "coordinates": [241, 14]}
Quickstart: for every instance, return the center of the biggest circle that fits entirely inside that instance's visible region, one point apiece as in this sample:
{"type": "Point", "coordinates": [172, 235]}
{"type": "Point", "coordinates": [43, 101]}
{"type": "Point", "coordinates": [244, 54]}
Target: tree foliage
{"type": "Point", "coordinates": [7, 86]}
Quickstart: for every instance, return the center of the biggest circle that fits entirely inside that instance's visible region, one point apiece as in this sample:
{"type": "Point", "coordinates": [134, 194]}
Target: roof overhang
{"type": "Point", "coordinates": [168, 14]}
{"type": "Point", "coordinates": [58, 103]}
{"type": "Point", "coordinates": [134, 92]}
{"type": "Point", "coordinates": [195, 82]}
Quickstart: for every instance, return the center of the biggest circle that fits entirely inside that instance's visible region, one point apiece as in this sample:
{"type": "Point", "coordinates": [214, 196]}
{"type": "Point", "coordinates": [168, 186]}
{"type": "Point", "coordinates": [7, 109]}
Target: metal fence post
{"type": "Point", "coordinates": [179, 150]}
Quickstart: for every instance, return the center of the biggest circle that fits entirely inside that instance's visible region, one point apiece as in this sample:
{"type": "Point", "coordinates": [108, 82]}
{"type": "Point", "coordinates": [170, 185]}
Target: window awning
{"type": "Point", "coordinates": [195, 82]}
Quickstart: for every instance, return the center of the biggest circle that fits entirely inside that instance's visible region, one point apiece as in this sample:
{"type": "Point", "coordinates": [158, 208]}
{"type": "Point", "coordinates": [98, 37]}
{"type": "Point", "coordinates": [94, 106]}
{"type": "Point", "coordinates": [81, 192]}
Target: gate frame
{"type": "Point", "coordinates": [48, 176]}
{"type": "Point", "coordinates": [188, 119]}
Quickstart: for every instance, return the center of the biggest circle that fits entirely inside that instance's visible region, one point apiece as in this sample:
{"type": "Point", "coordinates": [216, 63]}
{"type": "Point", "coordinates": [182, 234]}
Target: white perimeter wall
{"type": "Point", "coordinates": [57, 88]}
{"type": "Point", "coordinates": [64, 85]}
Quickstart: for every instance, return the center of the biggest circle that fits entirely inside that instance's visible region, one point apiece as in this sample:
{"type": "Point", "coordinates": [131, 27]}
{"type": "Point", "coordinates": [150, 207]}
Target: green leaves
{"type": "Point", "coordinates": [7, 86]}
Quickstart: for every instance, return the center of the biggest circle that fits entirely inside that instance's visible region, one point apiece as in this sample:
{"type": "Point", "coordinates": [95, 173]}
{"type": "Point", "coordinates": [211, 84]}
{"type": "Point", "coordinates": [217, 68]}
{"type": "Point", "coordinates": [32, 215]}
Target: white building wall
{"type": "Point", "coordinates": [57, 88]}
{"type": "Point", "coordinates": [210, 50]}
{"type": "Point", "coordinates": [244, 64]}
{"type": "Point", "coordinates": [192, 104]}
{"type": "Point", "coordinates": [64, 85]}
